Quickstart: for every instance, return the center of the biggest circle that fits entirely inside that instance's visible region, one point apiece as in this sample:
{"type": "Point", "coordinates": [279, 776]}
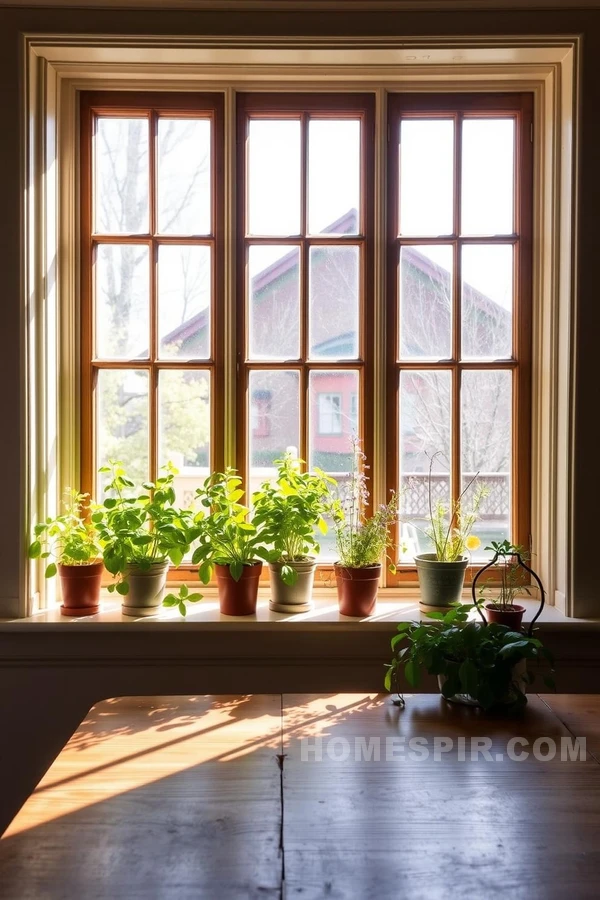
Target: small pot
{"type": "Point", "coordinates": [441, 583]}
{"type": "Point", "coordinates": [238, 598]}
{"type": "Point", "coordinates": [146, 589]}
{"type": "Point", "coordinates": [297, 597]}
{"type": "Point", "coordinates": [512, 615]}
{"type": "Point", "coordinates": [357, 589]}
{"type": "Point", "coordinates": [80, 588]}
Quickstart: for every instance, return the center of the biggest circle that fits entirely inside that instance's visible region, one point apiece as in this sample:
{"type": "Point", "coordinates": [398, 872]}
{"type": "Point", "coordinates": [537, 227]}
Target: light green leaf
{"type": "Point", "coordinates": [50, 570]}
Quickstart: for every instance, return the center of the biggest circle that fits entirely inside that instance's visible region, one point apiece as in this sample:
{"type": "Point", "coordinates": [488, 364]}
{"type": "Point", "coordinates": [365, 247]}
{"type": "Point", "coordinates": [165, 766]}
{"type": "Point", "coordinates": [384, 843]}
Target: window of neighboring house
{"type": "Point", "coordinates": [330, 413]}
{"type": "Point", "coordinates": [260, 414]}
{"type": "Point", "coordinates": [457, 312]}
{"type": "Point", "coordinates": [354, 413]}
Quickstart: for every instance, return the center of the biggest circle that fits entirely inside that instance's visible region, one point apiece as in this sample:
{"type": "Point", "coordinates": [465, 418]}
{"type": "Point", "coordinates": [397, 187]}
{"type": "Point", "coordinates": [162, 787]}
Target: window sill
{"type": "Point", "coordinates": [392, 606]}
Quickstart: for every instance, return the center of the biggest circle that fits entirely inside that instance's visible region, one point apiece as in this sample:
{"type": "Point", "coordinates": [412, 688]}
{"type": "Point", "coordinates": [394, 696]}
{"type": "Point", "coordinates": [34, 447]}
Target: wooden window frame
{"type": "Point", "coordinates": [459, 106]}
{"type": "Point", "coordinates": [150, 106]}
{"type": "Point", "coordinates": [295, 104]}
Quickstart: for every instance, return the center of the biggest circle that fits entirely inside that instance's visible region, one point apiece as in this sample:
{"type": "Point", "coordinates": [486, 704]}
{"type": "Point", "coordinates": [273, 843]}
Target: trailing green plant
{"type": "Point", "coordinates": [226, 537]}
{"type": "Point", "coordinates": [361, 540]}
{"type": "Point", "coordinates": [142, 526]}
{"type": "Point", "coordinates": [474, 658]}
{"type": "Point", "coordinates": [450, 525]}
{"type": "Point", "coordinates": [180, 599]}
{"type": "Point", "coordinates": [69, 538]}
{"type": "Point", "coordinates": [511, 583]}
{"type": "Point", "coordinates": [289, 511]}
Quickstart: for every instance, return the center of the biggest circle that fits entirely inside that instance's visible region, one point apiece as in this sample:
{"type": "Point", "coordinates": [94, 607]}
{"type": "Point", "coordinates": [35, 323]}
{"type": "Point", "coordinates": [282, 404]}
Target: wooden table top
{"type": "Point", "coordinates": [313, 796]}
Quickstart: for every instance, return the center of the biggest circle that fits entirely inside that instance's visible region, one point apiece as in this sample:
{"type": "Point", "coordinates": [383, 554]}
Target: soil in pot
{"type": "Point", "coordinates": [441, 583]}
{"type": "Point", "coordinates": [238, 598]}
{"type": "Point", "coordinates": [146, 589]}
{"type": "Point", "coordinates": [297, 597]}
{"type": "Point", "coordinates": [512, 615]}
{"type": "Point", "coordinates": [80, 589]}
{"type": "Point", "coordinates": [357, 589]}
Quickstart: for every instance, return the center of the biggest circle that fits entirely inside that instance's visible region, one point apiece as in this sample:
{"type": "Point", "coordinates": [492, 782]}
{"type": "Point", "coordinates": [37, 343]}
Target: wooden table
{"type": "Point", "coordinates": [221, 797]}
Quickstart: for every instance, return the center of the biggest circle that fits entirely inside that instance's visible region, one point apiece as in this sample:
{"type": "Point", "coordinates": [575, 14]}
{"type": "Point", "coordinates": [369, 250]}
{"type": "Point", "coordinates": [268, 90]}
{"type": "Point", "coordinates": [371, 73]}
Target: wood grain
{"type": "Point", "coordinates": [155, 798]}
{"type": "Point", "coordinates": [434, 829]}
{"type": "Point", "coordinates": [181, 797]}
{"type": "Point", "coordinates": [580, 714]}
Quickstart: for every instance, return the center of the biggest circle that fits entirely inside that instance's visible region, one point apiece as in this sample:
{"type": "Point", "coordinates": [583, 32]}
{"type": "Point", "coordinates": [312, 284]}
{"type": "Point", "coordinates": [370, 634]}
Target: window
{"type": "Point", "coordinates": [305, 192]}
{"type": "Point", "coordinates": [330, 413]}
{"type": "Point", "coordinates": [151, 318]}
{"type": "Point", "coordinates": [459, 314]}
{"type": "Point", "coordinates": [458, 304]}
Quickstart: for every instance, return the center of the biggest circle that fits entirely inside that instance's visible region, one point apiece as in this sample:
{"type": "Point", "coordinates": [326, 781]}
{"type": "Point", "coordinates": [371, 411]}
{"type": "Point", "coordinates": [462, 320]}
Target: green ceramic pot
{"type": "Point", "coordinates": [441, 583]}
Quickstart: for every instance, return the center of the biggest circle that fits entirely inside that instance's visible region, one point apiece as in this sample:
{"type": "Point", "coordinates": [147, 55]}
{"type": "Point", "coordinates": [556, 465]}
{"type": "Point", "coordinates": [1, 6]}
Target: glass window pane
{"type": "Point", "coordinates": [426, 176]}
{"type": "Point", "coordinates": [122, 421]}
{"type": "Point", "coordinates": [184, 428]}
{"type": "Point", "coordinates": [334, 302]}
{"type": "Point", "coordinates": [121, 175]}
{"type": "Point", "coordinates": [334, 176]}
{"type": "Point", "coordinates": [122, 301]}
{"type": "Point", "coordinates": [487, 299]}
{"type": "Point", "coordinates": [184, 164]}
{"type": "Point", "coordinates": [184, 320]}
{"type": "Point", "coordinates": [486, 410]}
{"type": "Point", "coordinates": [425, 432]}
{"type": "Point", "coordinates": [487, 176]}
{"type": "Point", "coordinates": [426, 302]}
{"type": "Point", "coordinates": [333, 418]}
{"type": "Point", "coordinates": [274, 176]}
{"type": "Point", "coordinates": [274, 302]}
{"type": "Point", "coordinates": [273, 420]}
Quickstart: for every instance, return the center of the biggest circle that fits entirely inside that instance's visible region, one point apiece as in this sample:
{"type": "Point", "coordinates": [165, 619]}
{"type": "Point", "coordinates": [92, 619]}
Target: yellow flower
{"type": "Point", "coordinates": [472, 542]}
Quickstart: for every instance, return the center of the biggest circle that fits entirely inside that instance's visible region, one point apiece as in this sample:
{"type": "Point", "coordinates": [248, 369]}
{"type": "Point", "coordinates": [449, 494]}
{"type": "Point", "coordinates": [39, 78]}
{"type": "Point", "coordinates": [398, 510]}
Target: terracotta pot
{"type": "Point", "coordinates": [80, 589]}
{"type": "Point", "coordinates": [512, 616]}
{"type": "Point", "coordinates": [441, 583]}
{"type": "Point", "coordinates": [357, 589]}
{"type": "Point", "coordinates": [238, 598]}
{"type": "Point", "coordinates": [297, 597]}
{"type": "Point", "coordinates": [146, 589]}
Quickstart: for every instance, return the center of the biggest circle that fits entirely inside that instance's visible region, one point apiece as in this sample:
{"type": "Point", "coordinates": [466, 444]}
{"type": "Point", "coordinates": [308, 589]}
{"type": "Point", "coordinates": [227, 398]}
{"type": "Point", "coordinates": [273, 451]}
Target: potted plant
{"type": "Point", "coordinates": [229, 544]}
{"type": "Point", "coordinates": [361, 540]}
{"type": "Point", "coordinates": [503, 609]}
{"type": "Point", "coordinates": [143, 532]}
{"type": "Point", "coordinates": [289, 511]}
{"type": "Point", "coordinates": [475, 663]}
{"type": "Point", "coordinates": [442, 572]}
{"type": "Point", "coordinates": [72, 545]}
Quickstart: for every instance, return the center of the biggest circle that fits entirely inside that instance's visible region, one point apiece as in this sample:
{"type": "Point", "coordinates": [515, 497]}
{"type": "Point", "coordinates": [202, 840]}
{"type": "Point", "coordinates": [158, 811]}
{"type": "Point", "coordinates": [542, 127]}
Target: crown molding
{"type": "Point", "coordinates": [306, 5]}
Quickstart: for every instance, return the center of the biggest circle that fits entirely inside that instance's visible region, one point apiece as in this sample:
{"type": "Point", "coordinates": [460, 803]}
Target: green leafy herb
{"type": "Point", "coordinates": [473, 658]}
{"type": "Point", "coordinates": [289, 511]}
{"type": "Point", "coordinates": [71, 538]}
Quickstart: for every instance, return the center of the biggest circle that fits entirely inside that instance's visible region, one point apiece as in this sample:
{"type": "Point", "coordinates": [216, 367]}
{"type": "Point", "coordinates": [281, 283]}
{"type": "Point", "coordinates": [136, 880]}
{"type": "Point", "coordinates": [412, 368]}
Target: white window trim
{"type": "Point", "coordinates": [56, 67]}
